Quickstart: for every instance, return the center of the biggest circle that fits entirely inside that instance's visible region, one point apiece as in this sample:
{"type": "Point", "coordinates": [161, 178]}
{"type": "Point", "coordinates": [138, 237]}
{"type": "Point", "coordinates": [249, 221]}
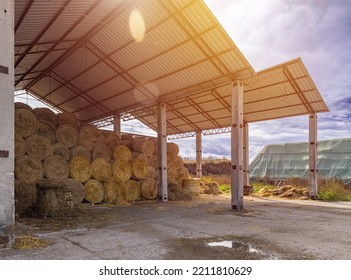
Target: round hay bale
{"type": "Point", "coordinates": [178, 162]}
{"type": "Point", "coordinates": [120, 190]}
{"type": "Point", "coordinates": [148, 188]}
{"type": "Point", "coordinates": [127, 143]}
{"type": "Point", "coordinates": [192, 185]}
{"type": "Point", "coordinates": [77, 190]}
{"type": "Point", "coordinates": [26, 124]}
{"type": "Point", "coordinates": [110, 191]}
{"type": "Point", "coordinates": [62, 150]}
{"type": "Point", "coordinates": [140, 168]}
{"type": "Point", "coordinates": [136, 155]}
{"type": "Point", "coordinates": [132, 191]}
{"type": "Point", "coordinates": [122, 152]}
{"type": "Point", "coordinates": [39, 146]}
{"type": "Point", "coordinates": [47, 129]}
{"type": "Point", "coordinates": [80, 151]}
{"type": "Point", "coordinates": [144, 146]}
{"type": "Point", "coordinates": [152, 172]}
{"type": "Point", "coordinates": [127, 136]}
{"type": "Point", "coordinates": [101, 169]}
{"type": "Point", "coordinates": [112, 140]}
{"type": "Point", "coordinates": [88, 137]}
{"type": "Point", "coordinates": [56, 168]}
{"type": "Point", "coordinates": [67, 118]}
{"type": "Point", "coordinates": [67, 134]}
{"type": "Point", "coordinates": [45, 114]}
{"type": "Point", "coordinates": [172, 149]}
{"type": "Point", "coordinates": [102, 151]}
{"type": "Point", "coordinates": [122, 170]}
{"type": "Point", "coordinates": [183, 173]}
{"type": "Point", "coordinates": [171, 181]}
{"type": "Point", "coordinates": [20, 145]}
{"type": "Point", "coordinates": [102, 138]}
{"type": "Point", "coordinates": [20, 105]}
{"type": "Point", "coordinates": [28, 169]}
{"type": "Point", "coordinates": [93, 191]}
{"type": "Point", "coordinates": [153, 161]}
{"type": "Point", "coordinates": [80, 168]}
{"type": "Point", "coordinates": [25, 196]}
{"type": "Point", "coordinates": [172, 172]}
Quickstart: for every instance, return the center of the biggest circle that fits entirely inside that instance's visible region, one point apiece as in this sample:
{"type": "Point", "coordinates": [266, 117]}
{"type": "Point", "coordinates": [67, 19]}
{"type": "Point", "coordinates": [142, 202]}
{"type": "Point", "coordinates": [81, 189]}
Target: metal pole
{"type": "Point", "coordinates": [313, 156]}
{"type": "Point", "coordinates": [246, 180]}
{"type": "Point", "coordinates": [117, 125]}
{"type": "Point", "coordinates": [162, 152]}
{"type": "Point", "coordinates": [198, 154]}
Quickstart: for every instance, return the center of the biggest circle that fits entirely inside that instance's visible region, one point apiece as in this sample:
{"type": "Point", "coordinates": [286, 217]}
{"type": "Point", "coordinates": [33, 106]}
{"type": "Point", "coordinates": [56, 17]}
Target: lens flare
{"type": "Point", "coordinates": [137, 25]}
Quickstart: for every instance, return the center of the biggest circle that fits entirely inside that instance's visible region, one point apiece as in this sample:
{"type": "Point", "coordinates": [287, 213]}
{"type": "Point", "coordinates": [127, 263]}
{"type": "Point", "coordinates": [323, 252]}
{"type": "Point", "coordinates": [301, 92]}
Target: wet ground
{"type": "Point", "coordinates": [203, 229]}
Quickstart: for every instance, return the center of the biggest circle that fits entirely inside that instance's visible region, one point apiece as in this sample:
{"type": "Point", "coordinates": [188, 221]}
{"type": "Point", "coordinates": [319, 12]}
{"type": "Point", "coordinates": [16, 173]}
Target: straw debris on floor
{"type": "Point", "coordinates": [30, 242]}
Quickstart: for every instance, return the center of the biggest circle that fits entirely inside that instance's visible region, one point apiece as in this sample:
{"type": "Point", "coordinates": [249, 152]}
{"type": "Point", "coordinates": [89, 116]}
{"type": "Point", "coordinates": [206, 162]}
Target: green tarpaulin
{"type": "Point", "coordinates": [290, 160]}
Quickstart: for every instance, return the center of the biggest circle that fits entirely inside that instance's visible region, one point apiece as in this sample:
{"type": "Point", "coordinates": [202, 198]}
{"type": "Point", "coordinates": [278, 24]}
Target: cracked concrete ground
{"type": "Point", "coordinates": [267, 229]}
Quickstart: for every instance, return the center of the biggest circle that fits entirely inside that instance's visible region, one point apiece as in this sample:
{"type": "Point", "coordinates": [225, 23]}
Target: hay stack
{"type": "Point", "coordinates": [120, 191]}
{"type": "Point", "coordinates": [67, 134]}
{"type": "Point", "coordinates": [29, 169]}
{"type": "Point", "coordinates": [148, 188]}
{"type": "Point", "coordinates": [112, 140]}
{"type": "Point", "coordinates": [20, 105]}
{"type": "Point", "coordinates": [144, 146]}
{"type": "Point", "coordinates": [26, 124]}
{"type": "Point", "coordinates": [45, 114]}
{"type": "Point", "coordinates": [77, 190]}
{"type": "Point", "coordinates": [56, 168]}
{"type": "Point", "coordinates": [80, 151]}
{"type": "Point", "coordinates": [67, 118]}
{"type": "Point", "coordinates": [172, 150]}
{"type": "Point", "coordinates": [80, 168]}
{"type": "Point", "coordinates": [20, 145]}
{"type": "Point", "coordinates": [140, 168]}
{"type": "Point", "coordinates": [152, 172]}
{"type": "Point", "coordinates": [88, 137]}
{"type": "Point", "coordinates": [101, 169]}
{"type": "Point", "coordinates": [178, 162]}
{"type": "Point", "coordinates": [127, 143]}
{"type": "Point", "coordinates": [136, 155]}
{"type": "Point", "coordinates": [132, 191]}
{"type": "Point", "coordinates": [121, 152]}
{"type": "Point", "coordinates": [122, 170]}
{"type": "Point", "coordinates": [62, 150]}
{"type": "Point", "coordinates": [153, 161]}
{"type": "Point", "coordinates": [192, 185]}
{"type": "Point", "coordinates": [93, 191]}
{"type": "Point", "coordinates": [110, 191]}
{"type": "Point", "coordinates": [183, 173]}
{"type": "Point", "coordinates": [175, 192]}
{"type": "Point", "coordinates": [47, 129]}
{"type": "Point", "coordinates": [102, 151]}
{"type": "Point", "coordinates": [172, 172]}
{"type": "Point", "coordinates": [25, 196]}
{"type": "Point", "coordinates": [39, 147]}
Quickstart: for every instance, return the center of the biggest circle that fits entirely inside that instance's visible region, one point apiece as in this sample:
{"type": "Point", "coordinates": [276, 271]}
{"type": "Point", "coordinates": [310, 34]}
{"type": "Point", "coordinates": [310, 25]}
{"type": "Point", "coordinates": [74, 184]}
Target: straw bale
{"type": "Point", "coordinates": [112, 140]}
{"type": "Point", "coordinates": [132, 191]}
{"type": "Point", "coordinates": [172, 172]}
{"type": "Point", "coordinates": [175, 192]}
{"type": "Point", "coordinates": [152, 172]}
{"type": "Point", "coordinates": [110, 191]}
{"type": "Point", "coordinates": [67, 118]}
{"type": "Point", "coordinates": [93, 191]}
{"type": "Point", "coordinates": [183, 173]}
{"type": "Point", "coordinates": [26, 124]}
{"type": "Point", "coordinates": [45, 114]}
{"type": "Point", "coordinates": [120, 189]}
{"type": "Point", "coordinates": [126, 136]}
{"type": "Point", "coordinates": [192, 185]}
{"type": "Point", "coordinates": [88, 136]}
{"type": "Point", "coordinates": [80, 168]}
{"type": "Point", "coordinates": [39, 146]}
{"type": "Point", "coordinates": [178, 162]}
{"type": "Point", "coordinates": [172, 181]}
{"type": "Point", "coordinates": [139, 168]}
{"type": "Point", "coordinates": [28, 169]}
{"type": "Point", "coordinates": [136, 155]}
{"type": "Point", "coordinates": [149, 188]}
{"type": "Point", "coordinates": [47, 129]}
{"type": "Point", "coordinates": [153, 161]}
{"type": "Point", "coordinates": [56, 168]}
{"type": "Point", "coordinates": [122, 152]}
{"type": "Point", "coordinates": [102, 138]}
{"type": "Point", "coordinates": [80, 151]}
{"type": "Point", "coordinates": [20, 105]}
{"type": "Point", "coordinates": [76, 188]}
{"type": "Point", "coordinates": [127, 143]}
{"type": "Point", "coordinates": [172, 149]}
{"type": "Point", "coordinates": [67, 134]}
{"type": "Point", "coordinates": [20, 145]}
{"type": "Point", "coordinates": [144, 146]}
{"type": "Point", "coordinates": [101, 169]}
{"type": "Point", "coordinates": [25, 196]}
{"type": "Point", "coordinates": [102, 151]}
{"type": "Point", "coordinates": [62, 151]}
{"type": "Point", "coordinates": [122, 170]}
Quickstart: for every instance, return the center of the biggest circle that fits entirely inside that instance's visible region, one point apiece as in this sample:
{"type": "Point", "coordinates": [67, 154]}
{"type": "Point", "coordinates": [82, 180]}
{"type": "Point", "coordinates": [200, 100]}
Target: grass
{"type": "Point", "coordinates": [257, 186]}
{"type": "Point", "coordinates": [334, 192]}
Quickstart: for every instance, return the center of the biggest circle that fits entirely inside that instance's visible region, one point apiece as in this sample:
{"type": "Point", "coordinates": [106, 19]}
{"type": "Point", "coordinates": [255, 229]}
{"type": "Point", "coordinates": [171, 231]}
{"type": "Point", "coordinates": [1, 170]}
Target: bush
{"type": "Point", "coordinates": [334, 192]}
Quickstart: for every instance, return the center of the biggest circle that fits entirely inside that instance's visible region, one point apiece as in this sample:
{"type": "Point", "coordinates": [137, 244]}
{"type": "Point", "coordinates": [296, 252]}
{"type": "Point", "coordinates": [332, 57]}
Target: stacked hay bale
{"type": "Point", "coordinates": [95, 165]}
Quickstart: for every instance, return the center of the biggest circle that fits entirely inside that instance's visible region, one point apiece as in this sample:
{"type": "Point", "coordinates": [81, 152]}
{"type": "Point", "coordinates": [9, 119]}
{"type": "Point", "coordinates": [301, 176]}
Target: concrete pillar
{"type": "Point", "coordinates": [246, 156]}
{"type": "Point", "coordinates": [162, 152]}
{"type": "Point", "coordinates": [7, 209]}
{"type": "Point", "coordinates": [198, 154]}
{"type": "Point", "coordinates": [117, 125]}
{"type": "Point", "coordinates": [237, 146]}
{"type": "Point", "coordinates": [313, 156]}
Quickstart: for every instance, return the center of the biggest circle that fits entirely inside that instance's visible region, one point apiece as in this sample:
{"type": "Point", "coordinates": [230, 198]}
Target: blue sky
{"type": "Point", "coordinates": [270, 32]}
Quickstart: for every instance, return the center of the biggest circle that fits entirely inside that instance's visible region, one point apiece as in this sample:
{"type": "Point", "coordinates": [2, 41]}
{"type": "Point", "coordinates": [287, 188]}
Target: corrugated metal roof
{"type": "Point", "coordinates": [81, 57]}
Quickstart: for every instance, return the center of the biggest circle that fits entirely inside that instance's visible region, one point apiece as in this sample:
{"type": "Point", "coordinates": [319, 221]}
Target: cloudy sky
{"type": "Point", "coordinates": [270, 32]}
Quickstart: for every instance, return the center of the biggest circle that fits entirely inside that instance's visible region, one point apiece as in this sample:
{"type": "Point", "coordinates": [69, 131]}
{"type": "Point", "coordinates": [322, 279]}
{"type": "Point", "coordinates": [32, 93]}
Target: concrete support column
{"type": "Point", "coordinates": [117, 125]}
{"type": "Point", "coordinates": [162, 152]}
{"type": "Point", "coordinates": [313, 156]}
{"type": "Point", "coordinates": [237, 146]}
{"type": "Point", "coordinates": [198, 154]}
{"type": "Point", "coordinates": [246, 157]}
{"type": "Point", "coordinates": [7, 203]}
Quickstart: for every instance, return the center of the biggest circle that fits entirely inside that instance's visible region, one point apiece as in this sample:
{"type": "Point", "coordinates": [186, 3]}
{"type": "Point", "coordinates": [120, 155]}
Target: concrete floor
{"type": "Point", "coordinates": [267, 229]}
